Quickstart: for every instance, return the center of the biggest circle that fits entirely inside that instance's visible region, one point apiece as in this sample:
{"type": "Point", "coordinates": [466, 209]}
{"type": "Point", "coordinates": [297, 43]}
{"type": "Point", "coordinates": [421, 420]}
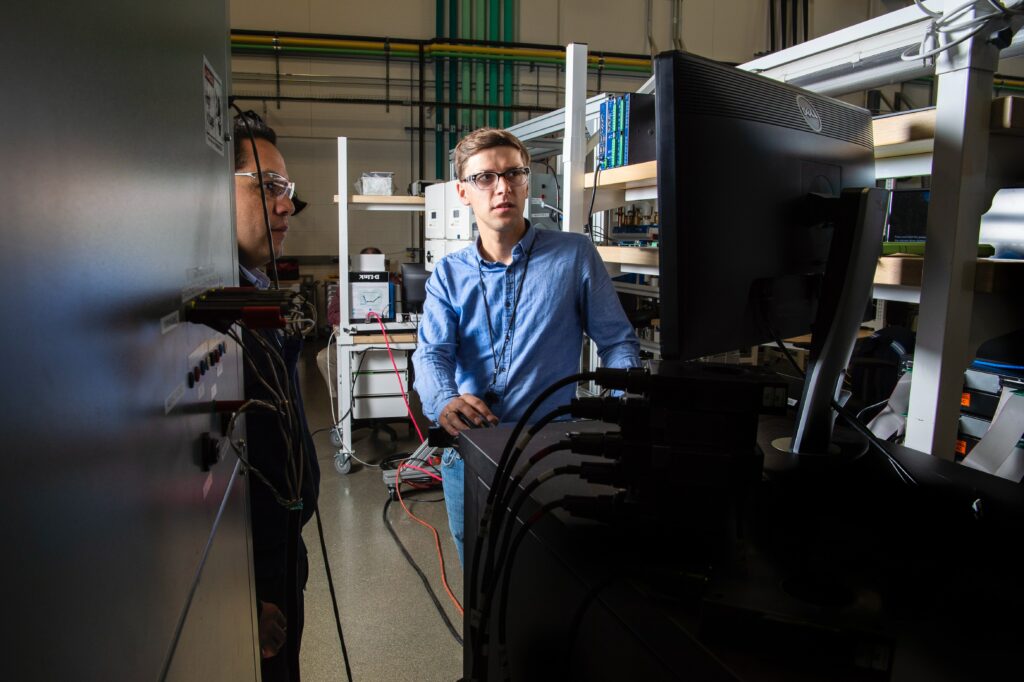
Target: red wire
{"type": "Point", "coordinates": [397, 373]}
{"type": "Point", "coordinates": [437, 538]}
{"type": "Point", "coordinates": [404, 465]}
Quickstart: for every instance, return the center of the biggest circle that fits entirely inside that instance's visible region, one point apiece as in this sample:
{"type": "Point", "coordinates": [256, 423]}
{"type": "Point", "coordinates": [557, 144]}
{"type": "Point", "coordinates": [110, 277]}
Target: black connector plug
{"type": "Point", "coordinates": [256, 308]}
{"type": "Point", "coordinates": [610, 445]}
{"type": "Point", "coordinates": [613, 410]}
{"type": "Point", "coordinates": [602, 473]}
{"type": "Point", "coordinates": [602, 508]}
{"type": "Point", "coordinates": [630, 380]}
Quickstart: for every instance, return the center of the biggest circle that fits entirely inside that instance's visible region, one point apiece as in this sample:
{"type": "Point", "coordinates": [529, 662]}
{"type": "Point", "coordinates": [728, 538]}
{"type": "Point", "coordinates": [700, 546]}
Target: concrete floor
{"type": "Point", "coordinates": [392, 630]}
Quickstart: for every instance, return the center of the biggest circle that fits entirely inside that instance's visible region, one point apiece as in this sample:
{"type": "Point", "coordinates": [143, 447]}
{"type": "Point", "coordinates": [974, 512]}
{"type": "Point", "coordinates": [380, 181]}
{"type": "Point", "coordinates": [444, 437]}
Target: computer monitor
{"type": "Point", "coordinates": [750, 172]}
{"type": "Point", "coordinates": [414, 287]}
{"type": "Point", "coordinates": [908, 215]}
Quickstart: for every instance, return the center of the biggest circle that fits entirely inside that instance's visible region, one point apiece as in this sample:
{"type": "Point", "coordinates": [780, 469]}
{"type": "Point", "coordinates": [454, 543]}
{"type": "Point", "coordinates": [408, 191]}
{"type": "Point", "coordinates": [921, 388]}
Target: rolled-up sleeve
{"type": "Point", "coordinates": [434, 358]}
{"type": "Point", "coordinates": [603, 318]}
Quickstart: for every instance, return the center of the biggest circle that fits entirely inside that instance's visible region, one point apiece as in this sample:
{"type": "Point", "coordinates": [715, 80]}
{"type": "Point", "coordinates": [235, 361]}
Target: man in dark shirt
{"type": "Point", "coordinates": [279, 555]}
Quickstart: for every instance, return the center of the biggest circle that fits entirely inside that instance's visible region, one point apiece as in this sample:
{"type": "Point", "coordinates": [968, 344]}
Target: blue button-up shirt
{"type": "Point", "coordinates": [566, 292]}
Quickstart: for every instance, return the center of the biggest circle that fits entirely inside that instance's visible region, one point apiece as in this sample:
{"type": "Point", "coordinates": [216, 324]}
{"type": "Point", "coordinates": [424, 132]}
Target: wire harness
{"type": "Point", "coordinates": [951, 28]}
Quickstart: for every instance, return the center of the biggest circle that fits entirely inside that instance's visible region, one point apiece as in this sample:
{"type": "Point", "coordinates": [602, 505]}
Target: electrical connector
{"type": "Point", "coordinates": [603, 508]}
{"type": "Point", "coordinates": [256, 308]}
{"type": "Point", "coordinates": [630, 380]}
{"type": "Point", "coordinates": [610, 445]}
{"type": "Point", "coordinates": [602, 473]}
{"type": "Point", "coordinates": [611, 410]}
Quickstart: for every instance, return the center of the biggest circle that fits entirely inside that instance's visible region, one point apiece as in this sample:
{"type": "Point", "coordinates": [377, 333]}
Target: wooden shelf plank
{"type": "Point", "coordinates": [369, 202]}
{"type": "Point", "coordinates": [392, 199]}
{"type": "Point", "coordinates": [629, 255]}
{"type": "Point", "coordinates": [901, 128]}
{"type": "Point", "coordinates": [370, 339]}
{"type": "Point", "coordinates": [909, 132]}
{"type": "Point", "coordinates": [626, 177]}
{"type": "Point", "coordinates": [991, 276]}
{"type": "Point", "coordinates": [897, 133]}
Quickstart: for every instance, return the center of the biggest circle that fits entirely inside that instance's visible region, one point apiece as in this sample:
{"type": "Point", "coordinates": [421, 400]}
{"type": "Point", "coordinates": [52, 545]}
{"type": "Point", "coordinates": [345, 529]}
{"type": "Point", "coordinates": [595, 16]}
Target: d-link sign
{"type": "Point", "coordinates": [809, 113]}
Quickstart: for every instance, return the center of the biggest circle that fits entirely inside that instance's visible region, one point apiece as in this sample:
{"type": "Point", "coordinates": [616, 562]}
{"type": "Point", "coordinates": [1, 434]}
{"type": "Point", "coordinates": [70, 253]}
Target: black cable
{"type": "Point", "coordinates": [593, 196]}
{"type": "Point", "coordinates": [502, 464]}
{"type": "Point", "coordinates": [513, 509]}
{"type": "Point", "coordinates": [421, 574]}
{"type": "Point", "coordinates": [570, 470]}
{"type": "Point", "coordinates": [263, 192]}
{"type": "Point", "coordinates": [558, 189]}
{"type": "Point", "coordinates": [873, 439]}
{"type": "Point", "coordinates": [330, 586]}
{"type": "Point", "coordinates": [507, 569]}
{"type": "Point", "coordinates": [857, 425]}
{"type": "Point", "coordinates": [499, 508]}
{"type": "Point", "coordinates": [284, 417]}
{"type": "Point", "coordinates": [294, 456]}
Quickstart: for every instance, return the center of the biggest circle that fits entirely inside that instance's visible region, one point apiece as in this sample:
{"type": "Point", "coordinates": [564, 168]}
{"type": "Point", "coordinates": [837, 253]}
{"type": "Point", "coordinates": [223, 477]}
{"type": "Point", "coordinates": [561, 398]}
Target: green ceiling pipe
{"type": "Point", "coordinates": [507, 84]}
{"type": "Point", "coordinates": [479, 72]}
{"type": "Point", "coordinates": [453, 81]}
{"type": "Point", "coordinates": [466, 75]}
{"type": "Point", "coordinates": [439, 148]}
{"type": "Point", "coordinates": [537, 60]}
{"type": "Point", "coordinates": [494, 70]}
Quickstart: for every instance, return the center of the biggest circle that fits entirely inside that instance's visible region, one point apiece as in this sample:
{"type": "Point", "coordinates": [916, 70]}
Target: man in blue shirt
{"type": "Point", "coordinates": [505, 317]}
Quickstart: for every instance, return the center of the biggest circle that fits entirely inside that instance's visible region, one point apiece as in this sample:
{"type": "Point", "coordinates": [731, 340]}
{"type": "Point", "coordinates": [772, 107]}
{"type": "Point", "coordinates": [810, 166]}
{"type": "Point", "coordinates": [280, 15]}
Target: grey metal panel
{"type": "Point", "coordinates": [112, 199]}
{"type": "Point", "coordinates": [214, 617]}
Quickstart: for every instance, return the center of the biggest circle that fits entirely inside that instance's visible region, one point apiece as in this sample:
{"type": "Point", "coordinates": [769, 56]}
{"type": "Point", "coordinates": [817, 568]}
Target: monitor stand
{"type": "Point", "coordinates": [858, 216]}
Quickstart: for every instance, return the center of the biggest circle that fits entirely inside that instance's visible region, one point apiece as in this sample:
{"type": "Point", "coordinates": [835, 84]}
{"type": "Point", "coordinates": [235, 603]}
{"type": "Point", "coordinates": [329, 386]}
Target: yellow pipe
{"type": "Point", "coordinates": [510, 51]}
{"type": "Point", "coordinates": [469, 50]}
{"type": "Point", "coordinates": [326, 42]}
{"type": "Point", "coordinates": [620, 61]}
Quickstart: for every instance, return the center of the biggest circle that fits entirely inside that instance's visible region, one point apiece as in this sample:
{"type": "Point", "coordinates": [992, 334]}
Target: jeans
{"type": "Point", "coordinates": [453, 473]}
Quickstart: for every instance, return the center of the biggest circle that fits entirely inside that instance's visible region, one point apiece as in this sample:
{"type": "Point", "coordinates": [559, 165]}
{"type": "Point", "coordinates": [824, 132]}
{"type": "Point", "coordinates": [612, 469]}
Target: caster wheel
{"type": "Point", "coordinates": [342, 463]}
{"type": "Point", "coordinates": [335, 436]}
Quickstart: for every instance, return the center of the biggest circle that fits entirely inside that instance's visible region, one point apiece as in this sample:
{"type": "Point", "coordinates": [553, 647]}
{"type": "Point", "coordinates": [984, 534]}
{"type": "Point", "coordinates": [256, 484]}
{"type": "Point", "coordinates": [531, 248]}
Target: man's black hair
{"type": "Point", "coordinates": [260, 130]}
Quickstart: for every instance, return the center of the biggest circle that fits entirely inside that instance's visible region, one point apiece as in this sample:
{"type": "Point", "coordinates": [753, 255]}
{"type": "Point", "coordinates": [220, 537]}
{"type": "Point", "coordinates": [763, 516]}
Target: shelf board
{"type": "Point", "coordinates": [369, 202]}
{"type": "Point", "coordinates": [991, 276]}
{"type": "Point", "coordinates": [901, 134]}
{"type": "Point", "coordinates": [630, 255]}
{"type": "Point", "coordinates": [913, 132]}
{"type": "Point", "coordinates": [626, 177]}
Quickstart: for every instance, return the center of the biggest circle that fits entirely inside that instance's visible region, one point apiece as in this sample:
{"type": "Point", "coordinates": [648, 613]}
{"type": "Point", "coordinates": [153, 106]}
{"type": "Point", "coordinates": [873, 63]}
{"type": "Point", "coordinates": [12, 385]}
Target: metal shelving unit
{"type": "Point", "coordinates": [356, 338]}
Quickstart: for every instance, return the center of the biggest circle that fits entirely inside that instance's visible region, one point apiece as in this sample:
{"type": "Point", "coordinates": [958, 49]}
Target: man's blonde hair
{"type": "Point", "coordinates": [485, 138]}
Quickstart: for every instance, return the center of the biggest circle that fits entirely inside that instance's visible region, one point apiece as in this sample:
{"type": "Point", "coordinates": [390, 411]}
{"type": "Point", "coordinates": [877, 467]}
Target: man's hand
{"type": "Point", "coordinates": [273, 629]}
{"type": "Point", "coordinates": [465, 412]}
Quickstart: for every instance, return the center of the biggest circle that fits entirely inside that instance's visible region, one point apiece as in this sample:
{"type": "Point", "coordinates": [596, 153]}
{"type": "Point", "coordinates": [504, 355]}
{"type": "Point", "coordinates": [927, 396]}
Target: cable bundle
{"type": "Point", "coordinates": [949, 29]}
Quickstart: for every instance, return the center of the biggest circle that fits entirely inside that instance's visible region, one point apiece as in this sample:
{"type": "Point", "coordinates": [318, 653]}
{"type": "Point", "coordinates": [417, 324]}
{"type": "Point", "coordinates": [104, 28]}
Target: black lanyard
{"type": "Point", "coordinates": [491, 397]}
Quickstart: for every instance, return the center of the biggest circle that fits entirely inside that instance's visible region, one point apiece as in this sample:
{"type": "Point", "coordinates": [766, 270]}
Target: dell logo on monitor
{"type": "Point", "coordinates": [809, 113]}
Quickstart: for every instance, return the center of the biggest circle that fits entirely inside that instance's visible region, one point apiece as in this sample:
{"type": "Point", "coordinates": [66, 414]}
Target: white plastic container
{"type": "Point", "coordinates": [376, 183]}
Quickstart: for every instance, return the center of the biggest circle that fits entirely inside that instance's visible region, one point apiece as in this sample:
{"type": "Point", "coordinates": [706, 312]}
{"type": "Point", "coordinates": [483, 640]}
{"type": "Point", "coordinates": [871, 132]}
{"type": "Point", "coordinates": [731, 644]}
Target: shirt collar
{"type": "Point", "coordinates": [256, 277]}
{"type": "Point", "coordinates": [522, 247]}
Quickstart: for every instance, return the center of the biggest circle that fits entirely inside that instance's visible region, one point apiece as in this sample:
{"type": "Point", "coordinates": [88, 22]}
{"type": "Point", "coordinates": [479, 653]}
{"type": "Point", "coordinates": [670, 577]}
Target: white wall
{"type": "Point", "coordinates": [726, 30]}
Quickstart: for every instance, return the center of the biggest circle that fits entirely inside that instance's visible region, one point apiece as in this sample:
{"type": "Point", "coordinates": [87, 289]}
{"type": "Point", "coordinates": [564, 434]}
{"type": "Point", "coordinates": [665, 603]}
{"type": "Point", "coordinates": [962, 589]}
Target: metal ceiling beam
{"type": "Point", "coordinates": [863, 56]}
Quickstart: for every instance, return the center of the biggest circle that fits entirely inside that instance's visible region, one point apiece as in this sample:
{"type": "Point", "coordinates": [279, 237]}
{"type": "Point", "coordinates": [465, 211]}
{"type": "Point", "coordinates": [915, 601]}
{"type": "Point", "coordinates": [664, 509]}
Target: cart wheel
{"type": "Point", "coordinates": [342, 463]}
